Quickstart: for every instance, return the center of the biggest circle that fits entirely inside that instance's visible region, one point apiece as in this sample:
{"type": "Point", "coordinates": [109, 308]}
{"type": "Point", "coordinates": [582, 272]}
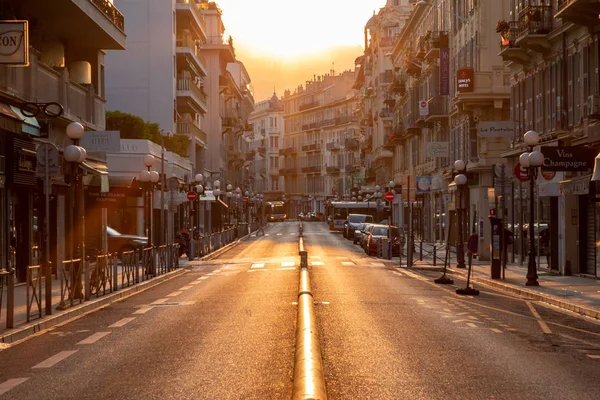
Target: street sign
{"type": "Point", "coordinates": [473, 243]}
{"type": "Point", "coordinates": [389, 196]}
{"type": "Point", "coordinates": [191, 196]}
{"type": "Point", "coordinates": [47, 150]}
{"type": "Point", "coordinates": [245, 199]}
{"type": "Point", "coordinates": [521, 173]}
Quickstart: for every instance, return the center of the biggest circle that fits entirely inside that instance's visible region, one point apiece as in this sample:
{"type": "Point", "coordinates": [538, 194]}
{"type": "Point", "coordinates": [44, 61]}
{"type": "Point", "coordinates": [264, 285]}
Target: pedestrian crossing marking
{"type": "Point", "coordinates": [347, 263]}
{"type": "Point", "coordinates": [11, 383]}
{"type": "Point", "coordinates": [317, 257]}
{"type": "Point", "coordinates": [472, 325]}
{"type": "Point", "coordinates": [279, 234]}
{"type": "Point", "coordinates": [176, 293]}
{"type": "Point", "coordinates": [287, 264]}
{"type": "Point", "coordinates": [143, 310]}
{"type": "Point", "coordinates": [286, 269]}
{"type": "Point", "coordinates": [121, 322]}
{"type": "Point", "coordinates": [317, 263]}
{"type": "Point", "coordinates": [258, 265]}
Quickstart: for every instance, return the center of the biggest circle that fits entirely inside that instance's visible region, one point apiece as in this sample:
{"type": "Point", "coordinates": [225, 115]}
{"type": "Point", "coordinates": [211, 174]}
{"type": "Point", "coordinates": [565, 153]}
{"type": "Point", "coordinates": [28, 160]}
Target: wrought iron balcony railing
{"type": "Point", "coordinates": [111, 12]}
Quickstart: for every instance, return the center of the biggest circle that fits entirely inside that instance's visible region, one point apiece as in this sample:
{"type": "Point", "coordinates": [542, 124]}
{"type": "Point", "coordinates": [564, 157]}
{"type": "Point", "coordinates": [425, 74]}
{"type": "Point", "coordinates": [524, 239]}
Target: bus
{"type": "Point", "coordinates": [275, 211]}
{"type": "Point", "coordinates": [337, 212]}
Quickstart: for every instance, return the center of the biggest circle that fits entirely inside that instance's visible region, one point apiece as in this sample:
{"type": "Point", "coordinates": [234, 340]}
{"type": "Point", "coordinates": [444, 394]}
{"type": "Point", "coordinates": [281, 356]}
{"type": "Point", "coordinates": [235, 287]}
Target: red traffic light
{"type": "Point", "coordinates": [492, 212]}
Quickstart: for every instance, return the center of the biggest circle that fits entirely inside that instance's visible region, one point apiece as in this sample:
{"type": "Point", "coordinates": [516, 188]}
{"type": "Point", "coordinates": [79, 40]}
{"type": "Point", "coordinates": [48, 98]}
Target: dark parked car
{"type": "Point", "coordinates": [352, 222]}
{"type": "Point", "coordinates": [118, 242]}
{"type": "Point", "coordinates": [380, 232]}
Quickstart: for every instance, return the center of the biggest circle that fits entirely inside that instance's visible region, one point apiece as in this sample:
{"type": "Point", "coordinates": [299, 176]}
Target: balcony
{"type": "Point", "coordinates": [308, 106]}
{"type": "Point", "coordinates": [274, 171]}
{"type": "Point", "coordinates": [288, 171]}
{"type": "Point", "coordinates": [310, 147]}
{"type": "Point", "coordinates": [190, 98]}
{"type": "Point", "coordinates": [233, 153]}
{"type": "Point", "coordinates": [351, 168]}
{"type": "Point", "coordinates": [229, 122]}
{"type": "Point", "coordinates": [578, 12]}
{"type": "Point", "coordinates": [412, 66]}
{"type": "Point", "coordinates": [421, 47]}
{"type": "Point", "coordinates": [510, 50]}
{"type": "Point", "coordinates": [370, 174]}
{"type": "Point", "coordinates": [333, 146]}
{"type": "Point", "coordinates": [535, 23]}
{"type": "Point", "coordinates": [188, 11]}
{"type": "Point", "coordinates": [386, 113]}
{"type": "Point", "coordinates": [315, 169]}
{"type": "Point", "coordinates": [387, 41]}
{"type": "Point", "coordinates": [436, 40]}
{"type": "Point", "coordinates": [289, 151]}
{"type": "Point", "coordinates": [191, 129]}
{"type": "Point", "coordinates": [385, 78]}
{"type": "Point", "coordinates": [225, 47]}
{"type": "Point", "coordinates": [262, 151]}
{"type": "Point", "coordinates": [398, 87]}
{"type": "Point", "coordinates": [351, 144]}
{"type": "Point", "coordinates": [411, 126]}
{"type": "Point", "coordinates": [333, 170]}
{"type": "Point", "coordinates": [188, 51]}
{"type": "Point", "coordinates": [345, 119]}
{"type": "Point", "coordinates": [382, 154]}
{"type": "Point", "coordinates": [438, 109]}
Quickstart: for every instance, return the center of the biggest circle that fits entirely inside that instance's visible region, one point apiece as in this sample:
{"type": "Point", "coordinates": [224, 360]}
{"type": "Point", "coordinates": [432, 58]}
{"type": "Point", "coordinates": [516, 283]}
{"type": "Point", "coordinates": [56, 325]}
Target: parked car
{"type": "Point", "coordinates": [380, 232]}
{"type": "Point", "coordinates": [352, 222]}
{"type": "Point", "coordinates": [358, 232]}
{"type": "Point", "coordinates": [118, 242]}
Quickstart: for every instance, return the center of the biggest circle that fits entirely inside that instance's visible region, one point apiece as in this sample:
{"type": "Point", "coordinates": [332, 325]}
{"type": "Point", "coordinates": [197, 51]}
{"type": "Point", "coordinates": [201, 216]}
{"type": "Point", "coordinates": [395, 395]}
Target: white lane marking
{"type": "Point", "coordinates": [121, 322]}
{"type": "Point", "coordinates": [280, 234]}
{"type": "Point", "coordinates": [347, 263]}
{"type": "Point", "coordinates": [398, 273]}
{"type": "Point", "coordinates": [447, 310]}
{"type": "Point", "coordinates": [324, 302]}
{"type": "Point", "coordinates": [11, 383]}
{"type": "Point", "coordinates": [511, 329]}
{"type": "Point", "coordinates": [317, 257]}
{"type": "Point", "coordinates": [258, 265]}
{"type": "Point", "coordinates": [496, 330]}
{"type": "Point", "coordinates": [143, 310]}
{"type": "Point", "coordinates": [594, 356]}
{"type": "Point", "coordinates": [176, 293]}
{"type": "Point", "coordinates": [293, 234]}
{"type": "Point", "coordinates": [258, 270]}
{"type": "Point", "coordinates": [472, 317]}
{"type": "Point", "coordinates": [185, 288]}
{"type": "Point", "coordinates": [160, 301]}
{"type": "Point", "coordinates": [287, 264]}
{"type": "Point", "coordinates": [341, 257]}
{"type": "Point", "coordinates": [216, 271]}
{"type": "Point", "coordinates": [317, 263]}
{"type": "Point", "coordinates": [286, 269]}
{"type": "Point", "coordinates": [202, 278]}
{"type": "Point", "coordinates": [55, 359]}
{"type": "Point", "coordinates": [543, 325]}
{"type": "Point", "coordinates": [94, 338]}
{"type": "Point", "coordinates": [267, 234]}
{"type": "Point", "coordinates": [471, 325]}
{"type": "Point", "coordinates": [195, 282]}
{"type": "Point", "coordinates": [253, 235]}
{"type": "Point", "coordinates": [377, 264]}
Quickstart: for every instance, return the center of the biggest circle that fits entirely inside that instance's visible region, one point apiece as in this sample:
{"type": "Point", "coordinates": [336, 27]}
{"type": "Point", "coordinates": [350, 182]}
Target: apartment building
{"type": "Point", "coordinates": [321, 151]}
{"type": "Point", "coordinates": [66, 66]}
{"type": "Point", "coordinates": [551, 49]}
{"type": "Point", "coordinates": [263, 143]}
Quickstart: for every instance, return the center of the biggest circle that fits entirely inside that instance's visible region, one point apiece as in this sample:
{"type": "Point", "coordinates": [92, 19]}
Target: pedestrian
{"type": "Point", "coordinates": [545, 244]}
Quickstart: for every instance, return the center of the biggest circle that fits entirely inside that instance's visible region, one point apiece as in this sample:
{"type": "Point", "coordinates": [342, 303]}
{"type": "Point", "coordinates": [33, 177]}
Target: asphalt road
{"type": "Point", "coordinates": [225, 330]}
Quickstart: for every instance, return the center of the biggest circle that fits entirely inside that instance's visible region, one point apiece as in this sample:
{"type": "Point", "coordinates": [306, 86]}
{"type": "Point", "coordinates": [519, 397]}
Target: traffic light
{"type": "Point", "coordinates": [492, 212]}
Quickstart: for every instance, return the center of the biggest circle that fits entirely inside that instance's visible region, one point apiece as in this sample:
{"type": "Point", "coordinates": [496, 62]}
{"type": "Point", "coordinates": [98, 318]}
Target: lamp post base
{"type": "Point", "coordinates": [532, 282]}
{"type": "Point", "coordinates": [444, 280]}
{"type": "Point", "coordinates": [468, 292]}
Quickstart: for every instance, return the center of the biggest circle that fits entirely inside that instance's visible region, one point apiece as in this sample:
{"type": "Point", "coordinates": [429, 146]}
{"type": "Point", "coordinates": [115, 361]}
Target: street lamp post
{"type": "Point", "coordinates": [217, 193]}
{"type": "Point", "coordinates": [531, 160]}
{"type": "Point", "coordinates": [391, 186]}
{"type": "Point", "coordinates": [148, 179]}
{"type": "Point", "coordinates": [460, 180]}
{"type": "Point", "coordinates": [163, 182]}
{"type": "Point", "coordinates": [75, 155]}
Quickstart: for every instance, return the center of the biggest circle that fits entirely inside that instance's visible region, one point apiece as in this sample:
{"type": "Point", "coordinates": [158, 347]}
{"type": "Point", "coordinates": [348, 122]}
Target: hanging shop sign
{"type": "Point", "coordinates": [102, 141]}
{"type": "Point", "coordinates": [423, 184]}
{"type": "Point", "coordinates": [465, 80]}
{"type": "Point", "coordinates": [444, 71]}
{"type": "Point", "coordinates": [567, 158]}
{"type": "Point", "coordinates": [438, 149]}
{"type": "Point", "coordinates": [576, 186]}
{"type": "Point", "coordinates": [14, 43]}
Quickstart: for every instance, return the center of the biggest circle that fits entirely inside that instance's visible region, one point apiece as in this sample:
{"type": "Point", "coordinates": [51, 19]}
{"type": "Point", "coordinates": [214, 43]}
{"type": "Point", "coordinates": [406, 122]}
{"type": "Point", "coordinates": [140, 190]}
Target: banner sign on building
{"type": "Point", "coordinates": [465, 80]}
{"type": "Point", "coordinates": [423, 184]}
{"type": "Point", "coordinates": [102, 141]}
{"type": "Point", "coordinates": [496, 129]}
{"type": "Point", "coordinates": [423, 108]}
{"type": "Point", "coordinates": [444, 71]}
{"type": "Point", "coordinates": [14, 43]}
{"type": "Point", "coordinates": [437, 149]}
{"type": "Point", "coordinates": [567, 158]}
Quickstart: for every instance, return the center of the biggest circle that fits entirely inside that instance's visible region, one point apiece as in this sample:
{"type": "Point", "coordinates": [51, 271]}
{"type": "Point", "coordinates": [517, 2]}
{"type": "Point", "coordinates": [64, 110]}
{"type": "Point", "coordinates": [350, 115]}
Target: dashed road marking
{"type": "Point", "coordinates": [472, 325]}
{"type": "Point", "coordinates": [176, 293]}
{"type": "Point", "coordinates": [347, 263]}
{"type": "Point", "coordinates": [496, 330]}
{"type": "Point", "coordinates": [202, 278]}
{"type": "Point", "coordinates": [377, 264]}
{"type": "Point", "coordinates": [317, 257]}
{"type": "Point", "coordinates": [195, 282]}
{"type": "Point", "coordinates": [280, 234]}
{"type": "Point", "coordinates": [216, 271]}
{"type": "Point", "coordinates": [185, 288]}
{"type": "Point", "coordinates": [94, 338]}
{"type": "Point", "coordinates": [286, 269]}
{"type": "Point", "coordinates": [317, 263]}
{"type": "Point", "coordinates": [10, 384]}
{"type": "Point", "coordinates": [594, 356]}
{"type": "Point", "coordinates": [143, 310]}
{"type": "Point", "coordinates": [121, 322]}
{"type": "Point", "coordinates": [287, 264]}
{"type": "Point", "coordinates": [55, 359]}
{"type": "Point", "coordinates": [258, 265]}
{"type": "Point", "coordinates": [160, 301]}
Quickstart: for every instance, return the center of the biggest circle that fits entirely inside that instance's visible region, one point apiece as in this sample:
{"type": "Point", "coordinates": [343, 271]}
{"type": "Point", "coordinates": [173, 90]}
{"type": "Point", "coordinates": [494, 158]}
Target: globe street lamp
{"type": "Point", "coordinates": [75, 155]}
{"type": "Point", "coordinates": [531, 160]}
{"type": "Point", "coordinates": [460, 180]}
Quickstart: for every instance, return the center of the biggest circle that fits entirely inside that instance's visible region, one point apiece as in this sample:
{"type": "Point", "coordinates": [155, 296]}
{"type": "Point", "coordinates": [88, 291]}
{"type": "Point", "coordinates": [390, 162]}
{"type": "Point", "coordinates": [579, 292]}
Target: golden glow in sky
{"type": "Point", "coordinates": [291, 28]}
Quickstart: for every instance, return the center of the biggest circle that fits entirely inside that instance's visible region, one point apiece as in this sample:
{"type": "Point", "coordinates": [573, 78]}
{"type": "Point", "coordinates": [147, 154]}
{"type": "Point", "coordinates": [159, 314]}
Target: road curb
{"type": "Point", "coordinates": [217, 252]}
{"type": "Point", "coordinates": [18, 335]}
{"type": "Point", "coordinates": [545, 298]}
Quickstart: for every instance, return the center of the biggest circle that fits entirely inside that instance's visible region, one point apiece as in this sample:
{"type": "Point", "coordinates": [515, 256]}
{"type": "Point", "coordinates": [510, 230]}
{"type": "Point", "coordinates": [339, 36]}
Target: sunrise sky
{"type": "Point", "coordinates": [284, 43]}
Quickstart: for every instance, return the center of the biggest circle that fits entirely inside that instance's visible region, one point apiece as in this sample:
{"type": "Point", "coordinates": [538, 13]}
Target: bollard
{"type": "Point", "coordinates": [303, 259]}
{"type": "Point", "coordinates": [434, 255]}
{"type": "Point", "coordinates": [421, 250]}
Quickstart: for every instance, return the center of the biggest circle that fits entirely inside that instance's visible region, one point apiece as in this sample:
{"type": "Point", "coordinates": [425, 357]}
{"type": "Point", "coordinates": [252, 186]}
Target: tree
{"type": "Point", "coordinates": [133, 127]}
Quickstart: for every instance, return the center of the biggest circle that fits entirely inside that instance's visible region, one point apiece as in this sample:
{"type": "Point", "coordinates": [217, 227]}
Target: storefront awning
{"type": "Point", "coordinates": [97, 170]}
{"type": "Point", "coordinates": [31, 125]}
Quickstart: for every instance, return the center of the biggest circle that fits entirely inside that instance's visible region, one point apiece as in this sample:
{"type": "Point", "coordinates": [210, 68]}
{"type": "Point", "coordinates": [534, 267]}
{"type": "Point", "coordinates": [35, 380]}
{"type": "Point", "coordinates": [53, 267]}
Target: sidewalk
{"type": "Point", "coordinates": [574, 293]}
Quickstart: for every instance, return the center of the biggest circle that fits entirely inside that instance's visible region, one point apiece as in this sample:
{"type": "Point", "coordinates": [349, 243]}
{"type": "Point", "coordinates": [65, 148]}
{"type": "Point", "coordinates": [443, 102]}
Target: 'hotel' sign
{"type": "Point", "coordinates": [465, 81]}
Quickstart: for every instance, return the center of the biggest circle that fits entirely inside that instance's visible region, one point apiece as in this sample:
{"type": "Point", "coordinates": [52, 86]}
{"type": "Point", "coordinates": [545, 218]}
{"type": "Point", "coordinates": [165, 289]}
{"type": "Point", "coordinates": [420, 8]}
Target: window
{"type": "Point", "coordinates": [570, 66]}
{"type": "Point", "coordinates": [585, 80]}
